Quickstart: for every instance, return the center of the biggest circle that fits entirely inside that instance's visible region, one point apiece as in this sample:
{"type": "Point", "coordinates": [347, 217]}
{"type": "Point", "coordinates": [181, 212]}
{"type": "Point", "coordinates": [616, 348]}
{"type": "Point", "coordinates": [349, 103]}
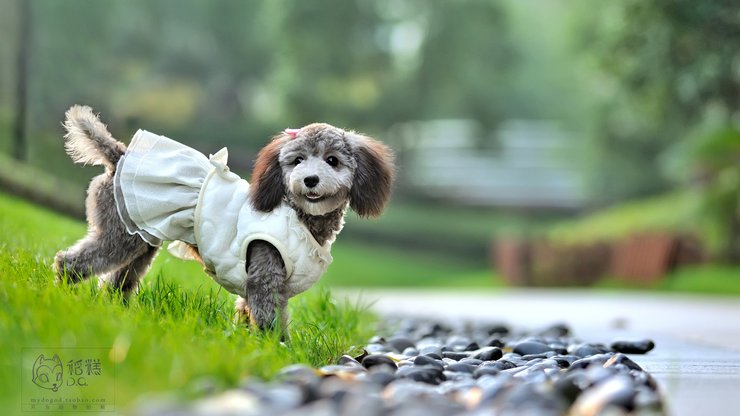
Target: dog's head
{"type": "Point", "coordinates": [320, 168]}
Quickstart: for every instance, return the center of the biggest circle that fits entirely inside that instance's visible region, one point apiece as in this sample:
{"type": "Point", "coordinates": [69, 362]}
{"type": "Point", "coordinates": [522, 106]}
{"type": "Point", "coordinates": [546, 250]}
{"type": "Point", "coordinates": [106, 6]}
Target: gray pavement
{"type": "Point", "coordinates": [697, 356]}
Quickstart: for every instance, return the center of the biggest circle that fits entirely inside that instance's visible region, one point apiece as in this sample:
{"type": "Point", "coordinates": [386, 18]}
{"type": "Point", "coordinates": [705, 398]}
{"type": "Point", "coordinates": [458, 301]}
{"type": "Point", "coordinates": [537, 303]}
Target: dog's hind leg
{"type": "Point", "coordinates": [78, 262]}
{"type": "Point", "coordinates": [127, 278]}
{"type": "Point", "coordinates": [107, 246]}
{"type": "Point", "coordinates": [94, 256]}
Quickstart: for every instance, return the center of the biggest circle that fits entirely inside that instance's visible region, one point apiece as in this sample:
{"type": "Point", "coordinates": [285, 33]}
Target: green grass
{"type": "Point", "coordinates": [176, 333]}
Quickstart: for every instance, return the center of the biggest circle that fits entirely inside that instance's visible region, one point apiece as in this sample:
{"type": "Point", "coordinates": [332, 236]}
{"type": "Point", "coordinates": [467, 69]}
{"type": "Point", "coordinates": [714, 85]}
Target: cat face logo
{"type": "Point", "coordinates": [47, 373]}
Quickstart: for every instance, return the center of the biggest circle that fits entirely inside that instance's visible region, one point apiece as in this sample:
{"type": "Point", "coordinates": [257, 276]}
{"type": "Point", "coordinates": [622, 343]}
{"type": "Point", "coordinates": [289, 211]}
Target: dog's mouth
{"type": "Point", "coordinates": [314, 197]}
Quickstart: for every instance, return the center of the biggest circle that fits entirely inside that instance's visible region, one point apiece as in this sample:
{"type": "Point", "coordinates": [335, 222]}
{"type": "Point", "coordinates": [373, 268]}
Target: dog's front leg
{"type": "Point", "coordinates": [265, 303]}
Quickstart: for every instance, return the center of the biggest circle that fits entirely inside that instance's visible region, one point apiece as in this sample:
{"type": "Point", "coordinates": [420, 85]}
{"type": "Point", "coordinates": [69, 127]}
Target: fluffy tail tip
{"type": "Point", "coordinates": [88, 141]}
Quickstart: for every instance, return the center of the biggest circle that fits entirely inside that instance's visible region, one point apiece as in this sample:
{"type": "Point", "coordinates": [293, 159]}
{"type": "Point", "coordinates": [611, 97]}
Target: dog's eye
{"type": "Point", "coordinates": [332, 161]}
{"type": "Point", "coordinates": [297, 160]}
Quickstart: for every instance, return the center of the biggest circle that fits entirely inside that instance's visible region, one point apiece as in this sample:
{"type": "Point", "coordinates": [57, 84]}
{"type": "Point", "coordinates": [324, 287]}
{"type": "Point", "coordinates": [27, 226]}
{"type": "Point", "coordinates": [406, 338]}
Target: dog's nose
{"type": "Point", "coordinates": [311, 181]}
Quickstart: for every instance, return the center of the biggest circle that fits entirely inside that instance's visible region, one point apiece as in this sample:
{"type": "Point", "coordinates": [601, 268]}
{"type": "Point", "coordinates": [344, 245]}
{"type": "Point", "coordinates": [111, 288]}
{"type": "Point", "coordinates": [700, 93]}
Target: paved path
{"type": "Point", "coordinates": [697, 356]}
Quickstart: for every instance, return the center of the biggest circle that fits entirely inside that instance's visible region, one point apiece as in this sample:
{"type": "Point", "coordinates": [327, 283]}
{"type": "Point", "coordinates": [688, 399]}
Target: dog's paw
{"type": "Point", "coordinates": [241, 312]}
{"type": "Point", "coordinates": [62, 268]}
{"type": "Point", "coordinates": [244, 317]}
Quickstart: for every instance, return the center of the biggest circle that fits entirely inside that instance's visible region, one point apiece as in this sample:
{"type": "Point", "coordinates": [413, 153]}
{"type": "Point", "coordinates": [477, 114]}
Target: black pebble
{"type": "Point", "coordinates": [497, 329]}
{"type": "Point", "coordinates": [562, 362]}
{"type": "Point", "coordinates": [616, 392]}
{"type": "Point", "coordinates": [530, 357]}
{"type": "Point", "coordinates": [571, 385]}
{"type": "Point", "coordinates": [410, 352]}
{"type": "Point", "coordinates": [585, 350]}
{"type": "Point", "coordinates": [472, 361]}
{"type": "Point", "coordinates": [559, 349]}
{"type": "Point", "coordinates": [499, 365]}
{"type": "Point", "coordinates": [378, 359]}
{"type": "Point", "coordinates": [489, 354]}
{"type": "Point", "coordinates": [457, 356]}
{"type": "Point", "coordinates": [598, 359]}
{"type": "Point", "coordinates": [622, 359]}
{"type": "Point", "coordinates": [382, 378]}
{"type": "Point", "coordinates": [461, 368]}
{"type": "Point", "coordinates": [427, 375]}
{"type": "Point", "coordinates": [633, 347]}
{"type": "Point", "coordinates": [472, 346]}
{"type": "Point", "coordinates": [424, 360]}
{"type": "Point", "coordinates": [494, 341]}
{"type": "Point", "coordinates": [400, 343]}
{"type": "Point", "coordinates": [347, 360]}
{"type": "Point", "coordinates": [645, 379]}
{"type": "Point", "coordinates": [505, 365]}
{"type": "Point", "coordinates": [531, 347]}
{"type": "Point", "coordinates": [377, 340]}
{"type": "Point", "coordinates": [557, 330]}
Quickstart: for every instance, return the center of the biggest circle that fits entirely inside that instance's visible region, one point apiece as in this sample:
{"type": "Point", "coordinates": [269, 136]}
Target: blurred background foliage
{"type": "Point", "coordinates": [568, 106]}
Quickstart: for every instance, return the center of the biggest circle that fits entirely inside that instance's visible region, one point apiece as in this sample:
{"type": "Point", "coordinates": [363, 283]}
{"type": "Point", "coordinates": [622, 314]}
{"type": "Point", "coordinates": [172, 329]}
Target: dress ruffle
{"type": "Point", "coordinates": [156, 187]}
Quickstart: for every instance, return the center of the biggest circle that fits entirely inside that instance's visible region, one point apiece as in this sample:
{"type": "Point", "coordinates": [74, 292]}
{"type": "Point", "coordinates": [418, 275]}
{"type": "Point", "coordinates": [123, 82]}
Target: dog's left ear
{"type": "Point", "coordinates": [371, 187]}
{"type": "Point", "coordinates": [267, 188]}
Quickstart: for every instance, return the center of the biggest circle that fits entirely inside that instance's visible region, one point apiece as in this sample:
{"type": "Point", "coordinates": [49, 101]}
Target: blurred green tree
{"type": "Point", "coordinates": [25, 24]}
{"type": "Point", "coordinates": [467, 62]}
{"type": "Point", "coordinates": [709, 160]}
{"type": "Point", "coordinates": [669, 63]}
{"type": "Point", "coordinates": [230, 72]}
{"type": "Point", "coordinates": [328, 65]}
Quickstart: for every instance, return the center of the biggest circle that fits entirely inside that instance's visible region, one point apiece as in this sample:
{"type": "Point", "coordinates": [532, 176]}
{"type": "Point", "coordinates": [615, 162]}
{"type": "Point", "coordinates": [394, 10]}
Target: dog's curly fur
{"type": "Point", "coordinates": [319, 171]}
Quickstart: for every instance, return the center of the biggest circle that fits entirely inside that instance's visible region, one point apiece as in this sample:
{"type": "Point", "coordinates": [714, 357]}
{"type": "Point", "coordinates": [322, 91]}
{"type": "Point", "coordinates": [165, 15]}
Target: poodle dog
{"type": "Point", "coordinates": [265, 242]}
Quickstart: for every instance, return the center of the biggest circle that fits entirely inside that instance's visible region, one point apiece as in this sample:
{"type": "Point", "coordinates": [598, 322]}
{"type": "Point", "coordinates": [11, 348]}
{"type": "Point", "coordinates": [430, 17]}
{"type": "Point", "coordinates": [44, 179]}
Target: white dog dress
{"type": "Point", "coordinates": [167, 191]}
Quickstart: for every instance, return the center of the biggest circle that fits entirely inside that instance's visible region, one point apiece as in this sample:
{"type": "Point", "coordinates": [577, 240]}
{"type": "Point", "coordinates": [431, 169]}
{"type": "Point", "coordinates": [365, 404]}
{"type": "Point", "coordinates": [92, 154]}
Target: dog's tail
{"type": "Point", "coordinates": [88, 141]}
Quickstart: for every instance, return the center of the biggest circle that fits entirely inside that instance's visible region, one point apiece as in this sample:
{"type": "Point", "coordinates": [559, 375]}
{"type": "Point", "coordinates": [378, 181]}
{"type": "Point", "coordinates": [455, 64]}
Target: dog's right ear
{"type": "Point", "coordinates": [267, 187]}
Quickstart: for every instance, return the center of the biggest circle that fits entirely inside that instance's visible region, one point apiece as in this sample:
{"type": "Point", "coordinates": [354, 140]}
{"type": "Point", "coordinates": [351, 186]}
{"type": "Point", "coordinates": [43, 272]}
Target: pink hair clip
{"type": "Point", "coordinates": [292, 132]}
